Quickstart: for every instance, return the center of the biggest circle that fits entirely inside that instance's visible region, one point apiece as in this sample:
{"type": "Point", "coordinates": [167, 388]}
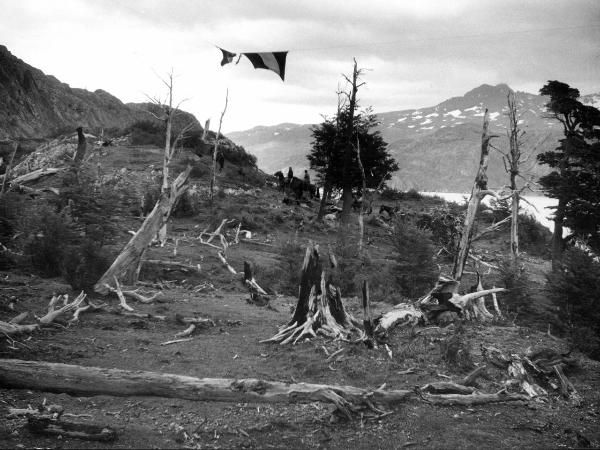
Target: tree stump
{"type": "Point", "coordinates": [319, 308]}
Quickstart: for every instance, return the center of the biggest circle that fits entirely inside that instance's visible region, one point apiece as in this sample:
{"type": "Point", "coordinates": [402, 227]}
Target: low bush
{"type": "Point", "coordinates": [416, 270]}
{"type": "Point", "coordinates": [575, 289]}
{"type": "Point", "coordinates": [147, 132]}
{"type": "Point", "coordinates": [84, 264]}
{"type": "Point", "coordinates": [455, 351]}
{"type": "Point", "coordinates": [518, 298]}
{"type": "Point", "coordinates": [534, 238]}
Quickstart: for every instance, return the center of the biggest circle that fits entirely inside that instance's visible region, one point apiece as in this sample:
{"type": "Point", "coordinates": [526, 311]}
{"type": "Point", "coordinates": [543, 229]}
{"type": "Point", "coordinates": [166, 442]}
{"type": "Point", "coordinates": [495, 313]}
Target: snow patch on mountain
{"type": "Point", "coordinates": [454, 113]}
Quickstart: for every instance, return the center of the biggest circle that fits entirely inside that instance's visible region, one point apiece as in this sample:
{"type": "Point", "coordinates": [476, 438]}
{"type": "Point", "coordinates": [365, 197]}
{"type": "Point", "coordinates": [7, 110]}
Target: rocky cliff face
{"type": "Point", "coordinates": [35, 105]}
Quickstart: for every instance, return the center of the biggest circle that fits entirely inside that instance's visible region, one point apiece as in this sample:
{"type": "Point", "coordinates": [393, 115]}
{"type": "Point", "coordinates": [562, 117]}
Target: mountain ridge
{"type": "Point", "coordinates": [437, 147]}
{"type": "Point", "coordinates": [34, 105]}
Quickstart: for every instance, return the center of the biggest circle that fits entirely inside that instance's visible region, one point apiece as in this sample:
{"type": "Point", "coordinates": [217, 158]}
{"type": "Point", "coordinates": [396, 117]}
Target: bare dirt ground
{"type": "Point", "coordinates": [231, 349]}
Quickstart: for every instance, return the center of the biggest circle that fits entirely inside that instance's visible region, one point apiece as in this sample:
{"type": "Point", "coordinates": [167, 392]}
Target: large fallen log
{"type": "Point", "coordinates": [90, 381]}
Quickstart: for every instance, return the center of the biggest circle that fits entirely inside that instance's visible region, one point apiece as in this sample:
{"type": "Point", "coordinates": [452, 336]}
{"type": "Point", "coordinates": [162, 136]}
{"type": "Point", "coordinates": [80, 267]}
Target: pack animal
{"type": "Point", "coordinates": [389, 210]}
{"type": "Point", "coordinates": [280, 180]}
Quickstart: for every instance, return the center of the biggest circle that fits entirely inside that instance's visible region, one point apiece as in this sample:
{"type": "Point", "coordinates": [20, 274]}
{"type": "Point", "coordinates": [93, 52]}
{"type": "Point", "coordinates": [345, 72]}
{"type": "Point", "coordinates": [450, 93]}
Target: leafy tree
{"type": "Point", "coordinates": [575, 178]}
{"type": "Point", "coordinates": [330, 143]}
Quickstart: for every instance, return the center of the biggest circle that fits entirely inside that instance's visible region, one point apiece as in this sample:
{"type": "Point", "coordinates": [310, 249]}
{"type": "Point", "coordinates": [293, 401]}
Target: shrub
{"type": "Point", "coordinates": [575, 289]}
{"type": "Point", "coordinates": [47, 245]}
{"type": "Point", "coordinates": [455, 351]}
{"type": "Point", "coordinates": [292, 255]}
{"type": "Point", "coordinates": [147, 132]}
{"type": "Point", "coordinates": [84, 264]}
{"type": "Point", "coordinates": [534, 238]}
{"type": "Point", "coordinates": [519, 296]}
{"type": "Point", "coordinates": [416, 270]}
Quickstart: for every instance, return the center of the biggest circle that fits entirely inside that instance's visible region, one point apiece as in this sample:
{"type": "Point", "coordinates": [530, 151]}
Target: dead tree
{"type": "Point", "coordinates": [349, 131]}
{"type": "Point", "coordinates": [8, 168]}
{"type": "Point", "coordinates": [168, 115]}
{"type": "Point", "coordinates": [361, 220]}
{"type": "Point", "coordinates": [479, 191]}
{"type": "Point", "coordinates": [327, 183]}
{"type": "Point", "coordinates": [81, 148]}
{"type": "Point", "coordinates": [213, 180]}
{"type": "Point", "coordinates": [319, 308]}
{"type": "Point", "coordinates": [127, 265]}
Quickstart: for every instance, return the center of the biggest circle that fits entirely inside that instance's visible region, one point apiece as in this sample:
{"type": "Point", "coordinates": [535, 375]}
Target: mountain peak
{"type": "Point", "coordinates": [487, 90]}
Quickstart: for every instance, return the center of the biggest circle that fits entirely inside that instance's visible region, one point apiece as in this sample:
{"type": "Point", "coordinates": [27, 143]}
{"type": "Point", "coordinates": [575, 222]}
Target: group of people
{"type": "Point", "coordinates": [297, 186]}
{"type": "Point", "coordinates": [290, 175]}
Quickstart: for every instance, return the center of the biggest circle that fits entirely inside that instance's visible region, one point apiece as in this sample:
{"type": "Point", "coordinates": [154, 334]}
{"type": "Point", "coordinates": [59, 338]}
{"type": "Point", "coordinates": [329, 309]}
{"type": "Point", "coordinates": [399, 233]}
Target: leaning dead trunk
{"type": "Point", "coordinates": [127, 265]}
{"type": "Point", "coordinates": [478, 192]}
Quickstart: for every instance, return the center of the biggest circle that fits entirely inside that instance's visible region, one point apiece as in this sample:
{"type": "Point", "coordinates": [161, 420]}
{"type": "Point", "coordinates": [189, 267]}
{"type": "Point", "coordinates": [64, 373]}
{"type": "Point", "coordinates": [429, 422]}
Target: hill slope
{"type": "Point", "coordinates": [437, 147]}
{"type": "Point", "coordinates": [35, 105]}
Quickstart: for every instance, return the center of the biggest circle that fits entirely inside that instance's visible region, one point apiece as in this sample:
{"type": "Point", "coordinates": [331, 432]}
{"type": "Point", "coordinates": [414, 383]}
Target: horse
{"type": "Point", "coordinates": [280, 180]}
{"type": "Point", "coordinates": [391, 211]}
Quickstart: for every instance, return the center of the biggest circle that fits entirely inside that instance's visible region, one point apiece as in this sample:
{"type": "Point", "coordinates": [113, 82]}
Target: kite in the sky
{"type": "Point", "coordinates": [274, 61]}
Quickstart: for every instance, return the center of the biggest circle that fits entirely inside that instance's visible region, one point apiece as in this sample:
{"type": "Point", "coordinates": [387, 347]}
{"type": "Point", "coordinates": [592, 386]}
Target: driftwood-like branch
{"type": "Point", "coordinates": [226, 264]}
{"type": "Point", "coordinates": [175, 265]}
{"type": "Point", "coordinates": [36, 174]}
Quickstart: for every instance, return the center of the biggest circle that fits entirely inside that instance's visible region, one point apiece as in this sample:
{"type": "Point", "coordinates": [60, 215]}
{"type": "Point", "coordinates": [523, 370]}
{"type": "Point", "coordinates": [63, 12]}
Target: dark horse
{"type": "Point", "coordinates": [391, 211]}
{"type": "Point", "coordinates": [280, 179]}
{"type": "Point", "coordinates": [298, 187]}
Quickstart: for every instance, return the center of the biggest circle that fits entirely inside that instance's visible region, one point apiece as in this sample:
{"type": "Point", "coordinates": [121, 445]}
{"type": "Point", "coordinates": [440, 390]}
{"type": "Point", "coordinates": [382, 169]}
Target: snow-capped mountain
{"type": "Point", "coordinates": [436, 147]}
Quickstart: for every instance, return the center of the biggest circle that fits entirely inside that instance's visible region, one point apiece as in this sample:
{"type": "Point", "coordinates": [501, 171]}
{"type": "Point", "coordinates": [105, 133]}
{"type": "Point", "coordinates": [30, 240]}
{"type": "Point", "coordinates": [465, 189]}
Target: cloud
{"type": "Point", "coordinates": [420, 52]}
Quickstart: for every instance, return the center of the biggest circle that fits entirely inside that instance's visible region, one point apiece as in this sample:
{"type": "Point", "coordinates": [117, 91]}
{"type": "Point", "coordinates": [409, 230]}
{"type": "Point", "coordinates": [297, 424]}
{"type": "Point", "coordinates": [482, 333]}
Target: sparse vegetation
{"type": "Point", "coordinates": [416, 270]}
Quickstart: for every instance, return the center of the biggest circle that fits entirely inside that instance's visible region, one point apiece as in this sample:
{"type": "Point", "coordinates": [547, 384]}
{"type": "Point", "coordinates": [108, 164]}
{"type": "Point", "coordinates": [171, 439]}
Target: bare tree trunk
{"type": "Point", "coordinates": [514, 225]}
{"type": "Point", "coordinates": [324, 198]}
{"type": "Point", "coordinates": [512, 162]}
{"type": "Point", "coordinates": [478, 192]}
{"type": "Point", "coordinates": [213, 180]}
{"type": "Point", "coordinates": [361, 222]}
{"type": "Point", "coordinates": [168, 154]}
{"type": "Point", "coordinates": [126, 266]}
{"type": "Point", "coordinates": [8, 168]}
{"type": "Point", "coordinates": [347, 170]}
{"type": "Point", "coordinates": [558, 243]}
{"type": "Point", "coordinates": [81, 148]}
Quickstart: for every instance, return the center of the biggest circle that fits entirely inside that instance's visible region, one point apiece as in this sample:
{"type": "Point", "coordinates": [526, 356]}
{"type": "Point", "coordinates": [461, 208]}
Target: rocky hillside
{"type": "Point", "coordinates": [437, 147]}
{"type": "Point", "coordinates": [35, 105]}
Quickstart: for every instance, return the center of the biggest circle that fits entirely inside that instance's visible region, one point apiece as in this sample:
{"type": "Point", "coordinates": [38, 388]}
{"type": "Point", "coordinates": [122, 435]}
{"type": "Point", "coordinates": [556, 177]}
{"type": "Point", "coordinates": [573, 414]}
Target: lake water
{"type": "Point", "coordinates": [539, 210]}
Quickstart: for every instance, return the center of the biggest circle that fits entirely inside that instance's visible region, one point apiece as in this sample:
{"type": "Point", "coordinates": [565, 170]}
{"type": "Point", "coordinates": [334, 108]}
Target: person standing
{"type": "Point", "coordinates": [306, 177]}
{"type": "Point", "coordinates": [290, 174]}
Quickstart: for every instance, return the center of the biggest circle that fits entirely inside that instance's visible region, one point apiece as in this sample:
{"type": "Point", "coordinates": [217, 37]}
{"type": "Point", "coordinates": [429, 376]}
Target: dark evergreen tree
{"type": "Point", "coordinates": [575, 178]}
{"type": "Point", "coordinates": [330, 142]}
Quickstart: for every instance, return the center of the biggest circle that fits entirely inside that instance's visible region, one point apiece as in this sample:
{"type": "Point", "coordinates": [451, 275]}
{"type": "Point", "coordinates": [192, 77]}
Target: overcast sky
{"type": "Point", "coordinates": [418, 52]}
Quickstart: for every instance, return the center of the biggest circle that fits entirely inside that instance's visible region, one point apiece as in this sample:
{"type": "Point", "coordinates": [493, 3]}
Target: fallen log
{"type": "Point", "coordinates": [447, 387]}
{"type": "Point", "coordinates": [57, 427]}
{"type": "Point", "coordinates": [91, 381]}
{"type": "Point", "coordinates": [36, 174]}
{"type": "Point", "coordinates": [472, 399]}
{"type": "Point", "coordinates": [173, 265]}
